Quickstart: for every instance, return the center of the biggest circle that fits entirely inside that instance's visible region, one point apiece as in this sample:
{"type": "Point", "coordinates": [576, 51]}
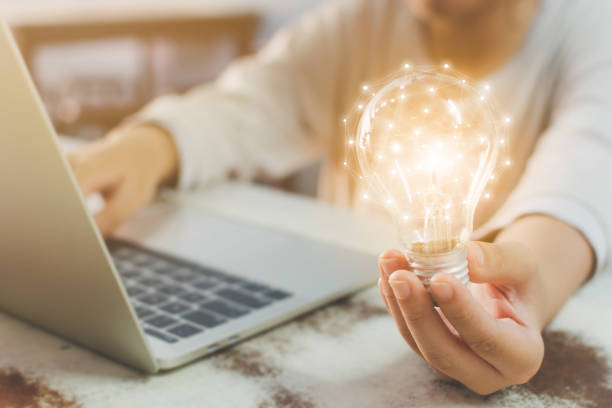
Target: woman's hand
{"type": "Point", "coordinates": [126, 167]}
{"type": "Point", "coordinates": [486, 336]}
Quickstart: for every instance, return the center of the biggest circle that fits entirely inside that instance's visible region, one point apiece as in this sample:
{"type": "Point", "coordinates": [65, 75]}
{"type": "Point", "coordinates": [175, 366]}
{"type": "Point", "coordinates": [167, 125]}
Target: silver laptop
{"type": "Point", "coordinates": [145, 308]}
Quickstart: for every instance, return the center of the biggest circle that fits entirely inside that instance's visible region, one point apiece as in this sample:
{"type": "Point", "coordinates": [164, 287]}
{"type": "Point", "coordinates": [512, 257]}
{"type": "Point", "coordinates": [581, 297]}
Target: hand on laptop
{"type": "Point", "coordinates": [126, 167]}
{"type": "Point", "coordinates": [486, 336]}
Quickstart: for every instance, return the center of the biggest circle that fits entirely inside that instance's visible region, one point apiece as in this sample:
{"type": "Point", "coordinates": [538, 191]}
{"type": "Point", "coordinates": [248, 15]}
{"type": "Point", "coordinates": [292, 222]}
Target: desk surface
{"type": "Point", "coordinates": [345, 355]}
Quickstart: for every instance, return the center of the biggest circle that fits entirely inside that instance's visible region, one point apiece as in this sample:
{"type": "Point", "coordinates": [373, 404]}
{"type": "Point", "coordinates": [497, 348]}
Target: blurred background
{"type": "Point", "coordinates": [97, 61]}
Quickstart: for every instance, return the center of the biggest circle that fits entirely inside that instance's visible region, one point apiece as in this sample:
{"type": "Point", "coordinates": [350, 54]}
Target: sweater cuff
{"type": "Point", "coordinates": [564, 208]}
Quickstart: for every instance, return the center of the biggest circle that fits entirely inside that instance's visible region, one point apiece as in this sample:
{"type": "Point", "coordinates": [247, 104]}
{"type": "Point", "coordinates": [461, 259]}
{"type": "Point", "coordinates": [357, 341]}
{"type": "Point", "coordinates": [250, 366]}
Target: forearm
{"type": "Point", "coordinates": [564, 260]}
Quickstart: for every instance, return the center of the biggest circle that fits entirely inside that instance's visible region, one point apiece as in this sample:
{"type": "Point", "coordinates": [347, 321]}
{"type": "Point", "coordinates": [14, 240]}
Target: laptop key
{"type": "Point", "coordinates": [184, 277]}
{"type": "Point", "coordinates": [224, 309]}
{"type": "Point", "coordinates": [135, 291]}
{"type": "Point", "coordinates": [205, 285]}
{"type": "Point", "coordinates": [151, 282]}
{"type": "Point", "coordinates": [242, 298]}
{"type": "Point", "coordinates": [185, 330]}
{"type": "Point", "coordinates": [229, 278]}
{"type": "Point", "coordinates": [161, 336]}
{"type": "Point", "coordinates": [129, 274]}
{"type": "Point", "coordinates": [277, 294]}
{"type": "Point", "coordinates": [253, 287]}
{"type": "Point", "coordinates": [161, 321]}
{"type": "Point", "coordinates": [175, 308]}
{"type": "Point", "coordinates": [153, 299]}
{"type": "Point", "coordinates": [140, 259]}
{"type": "Point", "coordinates": [192, 297]}
{"type": "Point", "coordinates": [171, 290]}
{"type": "Point", "coordinates": [203, 319]}
{"type": "Point", "coordinates": [164, 270]}
{"type": "Point", "coordinates": [142, 312]}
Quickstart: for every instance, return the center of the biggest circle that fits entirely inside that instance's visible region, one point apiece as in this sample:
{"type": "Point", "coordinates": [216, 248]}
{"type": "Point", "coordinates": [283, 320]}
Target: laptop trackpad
{"type": "Point", "coordinates": [271, 256]}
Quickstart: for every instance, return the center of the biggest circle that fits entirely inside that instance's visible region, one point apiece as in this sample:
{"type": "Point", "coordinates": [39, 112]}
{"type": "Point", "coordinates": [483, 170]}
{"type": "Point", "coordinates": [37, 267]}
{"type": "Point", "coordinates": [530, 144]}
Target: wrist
{"type": "Point", "coordinates": [157, 145]}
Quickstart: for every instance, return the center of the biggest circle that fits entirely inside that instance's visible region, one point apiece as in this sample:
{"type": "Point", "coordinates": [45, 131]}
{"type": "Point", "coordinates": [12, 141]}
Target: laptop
{"type": "Point", "coordinates": [149, 309]}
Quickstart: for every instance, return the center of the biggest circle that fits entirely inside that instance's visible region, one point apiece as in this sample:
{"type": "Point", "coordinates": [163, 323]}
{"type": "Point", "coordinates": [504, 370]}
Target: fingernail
{"type": "Point", "coordinates": [442, 291]}
{"type": "Point", "coordinates": [401, 289]}
{"type": "Point", "coordinates": [385, 263]}
{"type": "Point", "coordinates": [476, 253]}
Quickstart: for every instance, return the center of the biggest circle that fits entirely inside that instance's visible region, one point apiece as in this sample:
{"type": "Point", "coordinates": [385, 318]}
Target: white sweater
{"type": "Point", "coordinates": [280, 110]}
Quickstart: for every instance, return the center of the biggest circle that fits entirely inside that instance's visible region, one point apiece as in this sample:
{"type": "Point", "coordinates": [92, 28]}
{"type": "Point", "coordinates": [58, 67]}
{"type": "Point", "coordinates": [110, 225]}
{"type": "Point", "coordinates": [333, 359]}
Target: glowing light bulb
{"type": "Point", "coordinates": [433, 204]}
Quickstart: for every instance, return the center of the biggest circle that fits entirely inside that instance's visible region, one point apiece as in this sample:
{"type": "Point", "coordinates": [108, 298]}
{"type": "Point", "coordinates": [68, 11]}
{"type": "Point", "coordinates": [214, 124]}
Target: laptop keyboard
{"type": "Point", "coordinates": [175, 299]}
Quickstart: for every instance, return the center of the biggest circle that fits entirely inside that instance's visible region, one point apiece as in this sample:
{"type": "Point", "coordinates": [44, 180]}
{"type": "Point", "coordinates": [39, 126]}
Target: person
{"type": "Point", "coordinates": [546, 225]}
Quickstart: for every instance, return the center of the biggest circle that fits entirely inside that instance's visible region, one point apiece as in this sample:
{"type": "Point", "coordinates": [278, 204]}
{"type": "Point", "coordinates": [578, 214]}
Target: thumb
{"type": "Point", "coordinates": [503, 263]}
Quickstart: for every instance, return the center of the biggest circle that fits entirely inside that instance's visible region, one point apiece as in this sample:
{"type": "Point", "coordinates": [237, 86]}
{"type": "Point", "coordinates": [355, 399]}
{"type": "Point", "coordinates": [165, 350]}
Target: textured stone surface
{"type": "Point", "coordinates": [345, 355]}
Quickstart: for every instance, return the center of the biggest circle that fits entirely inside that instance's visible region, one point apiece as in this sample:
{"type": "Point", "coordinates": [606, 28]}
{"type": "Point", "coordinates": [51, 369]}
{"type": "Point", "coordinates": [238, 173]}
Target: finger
{"type": "Point", "coordinates": [394, 311]}
{"type": "Point", "coordinates": [120, 206]}
{"type": "Point", "coordinates": [439, 347]}
{"type": "Point", "coordinates": [498, 342]}
{"type": "Point", "coordinates": [94, 168]}
{"type": "Point", "coordinates": [390, 261]}
{"type": "Point", "coordinates": [382, 295]}
{"type": "Point", "coordinates": [502, 263]}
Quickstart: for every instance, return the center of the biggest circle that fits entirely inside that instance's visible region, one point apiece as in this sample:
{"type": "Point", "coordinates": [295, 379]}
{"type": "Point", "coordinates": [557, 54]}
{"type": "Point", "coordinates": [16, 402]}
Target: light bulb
{"type": "Point", "coordinates": [428, 157]}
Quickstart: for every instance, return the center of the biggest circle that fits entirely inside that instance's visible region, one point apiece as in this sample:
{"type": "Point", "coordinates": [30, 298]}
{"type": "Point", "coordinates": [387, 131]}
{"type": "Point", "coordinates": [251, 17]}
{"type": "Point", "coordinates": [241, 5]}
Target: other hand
{"type": "Point", "coordinates": [126, 167]}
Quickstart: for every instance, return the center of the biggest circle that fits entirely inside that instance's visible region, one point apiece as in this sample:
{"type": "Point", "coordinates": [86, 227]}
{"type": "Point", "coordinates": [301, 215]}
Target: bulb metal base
{"type": "Point", "coordinates": [452, 263]}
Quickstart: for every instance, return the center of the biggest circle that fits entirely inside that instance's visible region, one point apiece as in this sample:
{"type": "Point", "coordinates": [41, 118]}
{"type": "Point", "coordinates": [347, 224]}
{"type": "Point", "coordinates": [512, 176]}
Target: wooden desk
{"type": "Point", "coordinates": [345, 355]}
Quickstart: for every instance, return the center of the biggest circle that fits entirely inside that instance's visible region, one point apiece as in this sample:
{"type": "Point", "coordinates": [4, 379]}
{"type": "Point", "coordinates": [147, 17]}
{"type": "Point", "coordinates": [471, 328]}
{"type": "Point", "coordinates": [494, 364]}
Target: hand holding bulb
{"type": "Point", "coordinates": [486, 336]}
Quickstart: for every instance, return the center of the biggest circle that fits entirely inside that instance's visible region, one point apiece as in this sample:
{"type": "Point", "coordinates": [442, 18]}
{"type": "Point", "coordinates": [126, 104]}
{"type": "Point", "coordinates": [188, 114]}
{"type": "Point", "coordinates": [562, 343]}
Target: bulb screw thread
{"type": "Point", "coordinates": [452, 263]}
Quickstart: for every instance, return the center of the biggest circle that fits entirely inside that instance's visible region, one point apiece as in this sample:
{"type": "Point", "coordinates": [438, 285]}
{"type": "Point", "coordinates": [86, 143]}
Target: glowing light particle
{"type": "Point", "coordinates": [351, 142]}
{"type": "Point", "coordinates": [365, 196]}
{"type": "Point", "coordinates": [365, 87]}
{"type": "Point", "coordinates": [487, 195]}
